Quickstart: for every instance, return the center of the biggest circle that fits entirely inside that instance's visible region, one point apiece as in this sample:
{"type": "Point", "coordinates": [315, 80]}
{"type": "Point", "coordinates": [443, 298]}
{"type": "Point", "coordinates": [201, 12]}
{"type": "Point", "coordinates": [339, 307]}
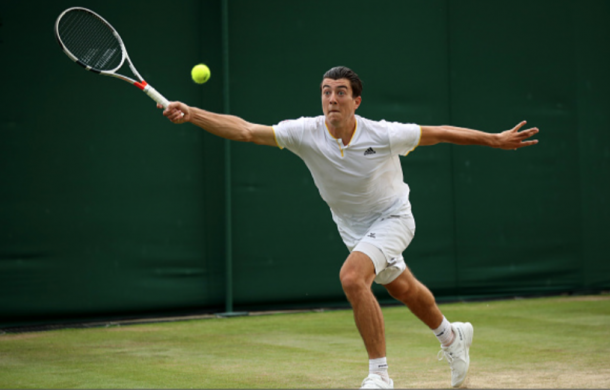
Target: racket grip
{"type": "Point", "coordinates": [156, 96]}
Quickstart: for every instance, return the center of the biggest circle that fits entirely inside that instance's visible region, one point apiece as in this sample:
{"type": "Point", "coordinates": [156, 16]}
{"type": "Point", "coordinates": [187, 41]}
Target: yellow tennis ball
{"type": "Point", "coordinates": [200, 73]}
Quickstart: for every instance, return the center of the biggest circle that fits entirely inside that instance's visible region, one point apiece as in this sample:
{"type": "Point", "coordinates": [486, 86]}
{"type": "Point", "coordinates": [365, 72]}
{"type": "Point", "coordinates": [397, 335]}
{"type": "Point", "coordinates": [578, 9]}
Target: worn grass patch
{"type": "Point", "coordinates": [533, 343]}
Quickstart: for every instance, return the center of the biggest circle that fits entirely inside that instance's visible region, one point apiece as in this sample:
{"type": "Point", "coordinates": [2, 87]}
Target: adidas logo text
{"type": "Point", "coordinates": [369, 151]}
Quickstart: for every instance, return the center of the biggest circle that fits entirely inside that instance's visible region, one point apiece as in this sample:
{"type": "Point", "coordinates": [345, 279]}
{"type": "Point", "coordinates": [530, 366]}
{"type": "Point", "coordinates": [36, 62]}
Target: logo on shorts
{"type": "Point", "coordinates": [372, 235]}
{"type": "Point", "coordinates": [369, 151]}
{"type": "Point", "coordinates": [391, 216]}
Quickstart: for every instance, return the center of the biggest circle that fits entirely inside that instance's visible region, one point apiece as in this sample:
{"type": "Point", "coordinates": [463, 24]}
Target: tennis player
{"type": "Point", "coordinates": [354, 163]}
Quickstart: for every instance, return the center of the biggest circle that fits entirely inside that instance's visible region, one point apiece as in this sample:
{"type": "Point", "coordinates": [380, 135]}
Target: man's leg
{"type": "Point", "coordinates": [357, 275]}
{"type": "Point", "coordinates": [417, 297]}
{"type": "Point", "coordinates": [455, 338]}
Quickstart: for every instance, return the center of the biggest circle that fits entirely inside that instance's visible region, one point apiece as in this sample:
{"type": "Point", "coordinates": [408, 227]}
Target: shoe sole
{"type": "Point", "coordinates": [471, 334]}
{"type": "Point", "coordinates": [468, 336]}
{"type": "Point", "coordinates": [388, 386]}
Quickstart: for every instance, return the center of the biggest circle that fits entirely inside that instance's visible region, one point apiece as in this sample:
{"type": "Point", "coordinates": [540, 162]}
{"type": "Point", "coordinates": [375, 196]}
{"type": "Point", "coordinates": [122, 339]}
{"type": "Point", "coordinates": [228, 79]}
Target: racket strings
{"type": "Point", "coordinates": [90, 40]}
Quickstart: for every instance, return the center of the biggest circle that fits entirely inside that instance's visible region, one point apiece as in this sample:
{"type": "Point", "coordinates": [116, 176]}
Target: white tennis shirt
{"type": "Point", "coordinates": [360, 181]}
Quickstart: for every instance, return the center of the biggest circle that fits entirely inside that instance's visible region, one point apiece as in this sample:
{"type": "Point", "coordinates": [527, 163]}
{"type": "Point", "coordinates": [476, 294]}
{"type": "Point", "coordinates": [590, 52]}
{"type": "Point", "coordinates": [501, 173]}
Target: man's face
{"type": "Point", "coordinates": [337, 101]}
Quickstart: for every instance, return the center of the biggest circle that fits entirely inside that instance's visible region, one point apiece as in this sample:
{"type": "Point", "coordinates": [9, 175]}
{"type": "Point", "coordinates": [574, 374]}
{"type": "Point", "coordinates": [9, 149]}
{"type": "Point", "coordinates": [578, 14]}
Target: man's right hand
{"type": "Point", "coordinates": [177, 112]}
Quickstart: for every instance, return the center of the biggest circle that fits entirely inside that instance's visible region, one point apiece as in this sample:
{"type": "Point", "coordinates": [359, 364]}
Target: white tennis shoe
{"type": "Point", "coordinates": [457, 353]}
{"type": "Point", "coordinates": [374, 381]}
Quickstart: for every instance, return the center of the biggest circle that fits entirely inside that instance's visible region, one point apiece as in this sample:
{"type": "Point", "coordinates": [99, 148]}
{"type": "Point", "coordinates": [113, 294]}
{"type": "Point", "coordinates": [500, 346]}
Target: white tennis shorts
{"type": "Point", "coordinates": [384, 243]}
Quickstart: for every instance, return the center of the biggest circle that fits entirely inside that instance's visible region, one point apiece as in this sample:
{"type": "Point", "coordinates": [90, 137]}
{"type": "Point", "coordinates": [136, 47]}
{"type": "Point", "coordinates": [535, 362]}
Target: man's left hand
{"type": "Point", "coordinates": [515, 139]}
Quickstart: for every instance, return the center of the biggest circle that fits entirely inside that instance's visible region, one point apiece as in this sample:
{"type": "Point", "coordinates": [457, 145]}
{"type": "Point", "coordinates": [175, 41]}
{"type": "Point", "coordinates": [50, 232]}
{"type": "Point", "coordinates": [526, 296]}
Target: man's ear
{"type": "Point", "coordinates": [358, 100]}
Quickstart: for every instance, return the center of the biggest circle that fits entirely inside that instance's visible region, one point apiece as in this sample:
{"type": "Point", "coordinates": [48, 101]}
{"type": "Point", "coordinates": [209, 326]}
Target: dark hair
{"type": "Point", "coordinates": [342, 72]}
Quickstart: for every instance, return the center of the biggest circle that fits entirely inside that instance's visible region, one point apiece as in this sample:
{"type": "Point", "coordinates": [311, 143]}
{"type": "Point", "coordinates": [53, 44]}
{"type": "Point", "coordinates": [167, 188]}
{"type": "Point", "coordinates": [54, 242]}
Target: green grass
{"type": "Point", "coordinates": [559, 342]}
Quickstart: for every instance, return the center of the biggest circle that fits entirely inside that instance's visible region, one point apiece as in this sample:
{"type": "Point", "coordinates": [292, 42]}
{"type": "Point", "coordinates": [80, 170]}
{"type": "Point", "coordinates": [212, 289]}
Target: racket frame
{"type": "Point", "coordinates": [140, 83]}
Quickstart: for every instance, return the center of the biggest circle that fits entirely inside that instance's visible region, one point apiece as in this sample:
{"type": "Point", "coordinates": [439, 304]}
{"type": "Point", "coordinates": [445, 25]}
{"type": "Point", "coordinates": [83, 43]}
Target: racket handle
{"type": "Point", "coordinates": [156, 96]}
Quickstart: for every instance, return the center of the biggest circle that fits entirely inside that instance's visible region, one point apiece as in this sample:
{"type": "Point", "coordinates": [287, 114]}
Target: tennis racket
{"type": "Point", "coordinates": [90, 41]}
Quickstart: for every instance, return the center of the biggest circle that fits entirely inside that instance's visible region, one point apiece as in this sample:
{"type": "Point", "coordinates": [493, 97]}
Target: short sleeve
{"type": "Point", "coordinates": [404, 137]}
{"type": "Point", "coordinates": [289, 133]}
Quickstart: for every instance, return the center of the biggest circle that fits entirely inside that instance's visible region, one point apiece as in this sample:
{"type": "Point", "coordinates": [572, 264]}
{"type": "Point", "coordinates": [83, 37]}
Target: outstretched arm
{"type": "Point", "coordinates": [509, 139]}
{"type": "Point", "coordinates": [225, 126]}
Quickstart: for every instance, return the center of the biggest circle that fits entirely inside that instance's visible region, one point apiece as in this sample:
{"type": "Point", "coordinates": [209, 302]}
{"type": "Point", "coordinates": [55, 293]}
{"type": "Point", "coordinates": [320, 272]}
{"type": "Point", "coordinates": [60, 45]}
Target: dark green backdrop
{"type": "Point", "coordinates": [108, 210]}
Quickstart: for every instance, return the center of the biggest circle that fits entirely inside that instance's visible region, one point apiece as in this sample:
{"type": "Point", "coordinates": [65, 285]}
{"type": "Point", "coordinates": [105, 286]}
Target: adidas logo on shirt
{"type": "Point", "coordinates": [369, 151]}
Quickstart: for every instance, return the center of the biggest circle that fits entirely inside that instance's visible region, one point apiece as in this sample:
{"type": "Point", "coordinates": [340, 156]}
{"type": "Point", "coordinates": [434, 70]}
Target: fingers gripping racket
{"type": "Point", "coordinates": [90, 41]}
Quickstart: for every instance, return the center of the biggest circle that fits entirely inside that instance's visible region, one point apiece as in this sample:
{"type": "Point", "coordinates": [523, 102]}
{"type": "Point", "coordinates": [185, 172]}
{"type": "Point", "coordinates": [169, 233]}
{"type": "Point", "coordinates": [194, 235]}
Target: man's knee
{"type": "Point", "coordinates": [401, 292]}
{"type": "Point", "coordinates": [351, 281]}
{"type": "Point", "coordinates": [404, 287]}
{"type": "Point", "coordinates": [357, 274]}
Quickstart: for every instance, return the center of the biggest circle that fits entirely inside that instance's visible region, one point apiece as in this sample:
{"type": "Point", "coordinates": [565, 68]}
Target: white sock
{"type": "Point", "coordinates": [444, 333]}
{"type": "Point", "coordinates": [380, 367]}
